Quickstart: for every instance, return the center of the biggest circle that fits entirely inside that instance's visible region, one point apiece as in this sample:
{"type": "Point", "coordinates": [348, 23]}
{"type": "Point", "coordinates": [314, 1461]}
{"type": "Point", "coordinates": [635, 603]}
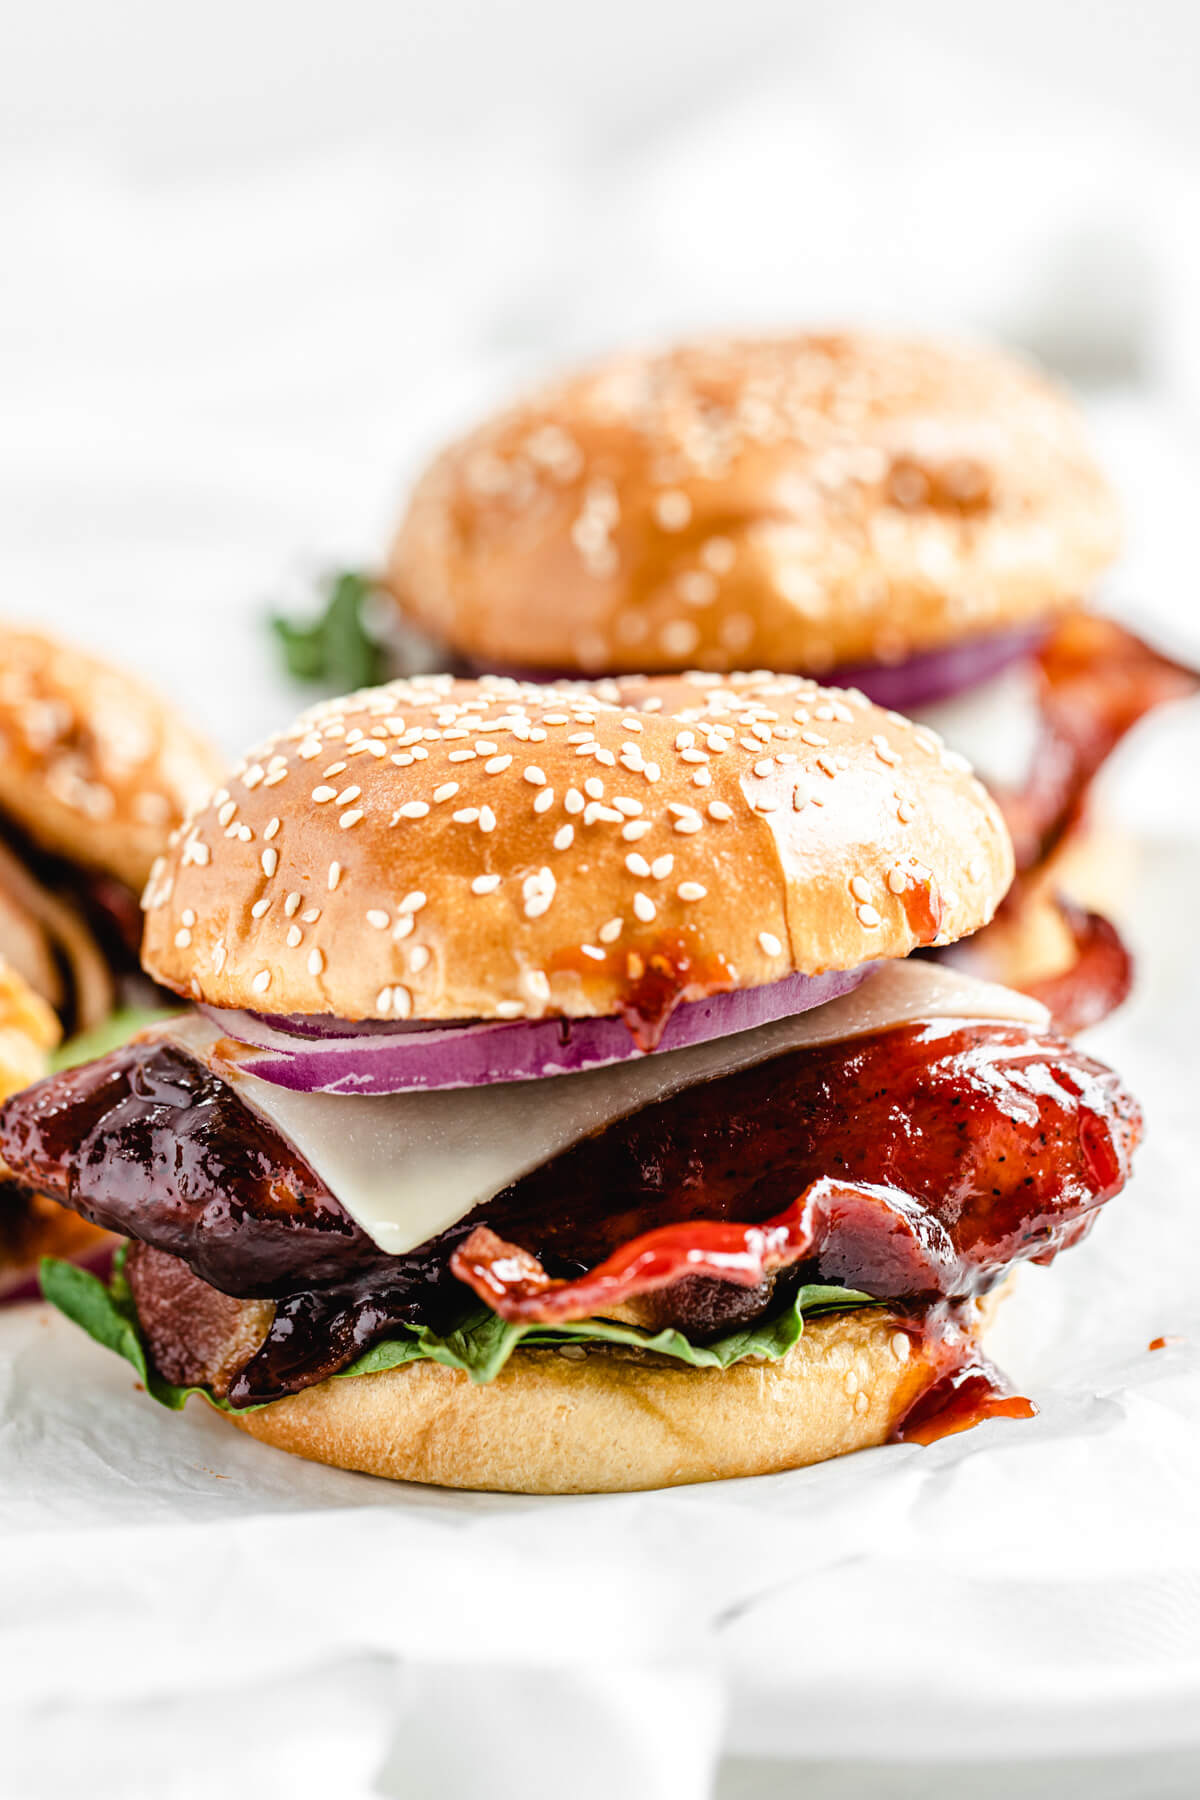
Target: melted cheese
{"type": "Point", "coordinates": [408, 1166]}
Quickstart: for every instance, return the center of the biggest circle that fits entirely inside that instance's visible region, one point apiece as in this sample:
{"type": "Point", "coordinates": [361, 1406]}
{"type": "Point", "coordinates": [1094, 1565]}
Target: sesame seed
{"type": "Point", "coordinates": [466, 815]}
{"type": "Point", "coordinates": [311, 914]}
{"type": "Point", "coordinates": [187, 916]}
{"type": "Point", "coordinates": [868, 916]}
{"type": "Point", "coordinates": [764, 768]}
{"type": "Point", "coordinates": [591, 950]}
{"type": "Point", "coordinates": [691, 890]}
{"type": "Point", "coordinates": [485, 884]}
{"type": "Point", "coordinates": [352, 817]}
{"type": "Point", "coordinates": [378, 918]}
{"type": "Point", "coordinates": [291, 904]}
{"type": "Point", "coordinates": [769, 944]}
{"type": "Point", "coordinates": [717, 809]}
{"type": "Point", "coordinates": [227, 811]}
{"type": "Point", "coordinates": [461, 756]}
{"type": "Point", "coordinates": [901, 1346]}
{"type": "Point", "coordinates": [412, 809]}
{"type": "Point", "coordinates": [719, 555]}
{"type": "Point", "coordinates": [510, 1009]}
{"type": "Point", "coordinates": [418, 958]}
{"type": "Point", "coordinates": [260, 908]}
{"type": "Point", "coordinates": [262, 981]}
{"type": "Point", "coordinates": [536, 984]}
{"type": "Point", "coordinates": [335, 875]}
{"type": "Point", "coordinates": [897, 880]}
{"type": "Point", "coordinates": [487, 819]}
{"type": "Point", "coordinates": [814, 738]}
{"type": "Point", "coordinates": [636, 828]}
{"type": "Point", "coordinates": [496, 765]}
{"type": "Point", "coordinates": [860, 888]}
{"type": "Point", "coordinates": [564, 837]}
{"type": "Point", "coordinates": [630, 807]}
{"type": "Point", "coordinates": [294, 936]}
{"type": "Point", "coordinates": [609, 933]}
{"type": "Point", "coordinates": [544, 800]}
{"type": "Point", "coordinates": [637, 864]}
{"type": "Point", "coordinates": [183, 938]}
{"type": "Point", "coordinates": [272, 828]}
{"type": "Point", "coordinates": [679, 637]}
{"type": "Point", "coordinates": [404, 926]}
{"type": "Point", "coordinates": [688, 823]}
{"type": "Point", "coordinates": [593, 787]}
{"type": "Point", "coordinates": [574, 801]}
{"type": "Point", "coordinates": [347, 795]}
{"type": "Point", "coordinates": [644, 908]}
{"type": "Point", "coordinates": [269, 860]}
{"type": "Point", "coordinates": [696, 587]}
{"type": "Point", "coordinates": [447, 791]}
{"type": "Point", "coordinates": [661, 867]}
{"type": "Point", "coordinates": [673, 510]}
{"type": "Point", "coordinates": [906, 812]}
{"type": "Point", "coordinates": [535, 776]}
{"type": "Point", "coordinates": [413, 902]}
{"type": "Point", "coordinates": [322, 794]}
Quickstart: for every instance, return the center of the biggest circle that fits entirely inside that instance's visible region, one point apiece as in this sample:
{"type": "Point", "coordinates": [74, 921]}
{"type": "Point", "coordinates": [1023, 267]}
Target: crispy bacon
{"type": "Point", "coordinates": [1095, 681]}
{"type": "Point", "coordinates": [862, 1234]}
{"type": "Point", "coordinates": [1097, 981]}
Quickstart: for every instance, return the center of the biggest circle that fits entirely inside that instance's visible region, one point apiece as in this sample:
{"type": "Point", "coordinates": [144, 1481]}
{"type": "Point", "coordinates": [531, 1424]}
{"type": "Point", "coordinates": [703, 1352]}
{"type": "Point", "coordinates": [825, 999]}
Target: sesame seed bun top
{"type": "Point", "coordinates": [94, 765]}
{"type": "Point", "coordinates": [791, 503]}
{"type": "Point", "coordinates": [483, 849]}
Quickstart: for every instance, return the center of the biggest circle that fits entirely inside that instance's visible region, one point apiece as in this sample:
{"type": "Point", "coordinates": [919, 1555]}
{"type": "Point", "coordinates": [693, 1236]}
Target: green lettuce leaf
{"type": "Point", "coordinates": [336, 647]}
{"type": "Point", "coordinates": [114, 1031]}
{"type": "Point", "coordinates": [480, 1347]}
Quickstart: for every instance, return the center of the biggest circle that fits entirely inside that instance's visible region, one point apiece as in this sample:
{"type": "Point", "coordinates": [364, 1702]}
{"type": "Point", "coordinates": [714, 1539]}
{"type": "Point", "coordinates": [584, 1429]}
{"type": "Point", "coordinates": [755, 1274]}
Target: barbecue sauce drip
{"type": "Point", "coordinates": [660, 980]}
{"type": "Point", "coordinates": [966, 1396]}
{"type": "Point", "coordinates": [1004, 1142]}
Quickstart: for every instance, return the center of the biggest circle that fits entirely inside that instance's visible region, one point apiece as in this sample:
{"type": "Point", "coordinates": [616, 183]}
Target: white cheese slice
{"type": "Point", "coordinates": [408, 1166]}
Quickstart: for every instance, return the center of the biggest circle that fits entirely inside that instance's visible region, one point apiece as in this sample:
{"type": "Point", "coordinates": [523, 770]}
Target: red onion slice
{"type": "Point", "coordinates": [401, 1059]}
{"type": "Point", "coordinates": [917, 681]}
{"type": "Point", "coordinates": [937, 674]}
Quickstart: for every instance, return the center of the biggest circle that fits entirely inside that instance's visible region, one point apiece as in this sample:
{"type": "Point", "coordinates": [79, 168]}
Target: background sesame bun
{"type": "Point", "coordinates": [611, 1421]}
{"type": "Point", "coordinates": [461, 849]}
{"type": "Point", "coordinates": [30, 1226]}
{"type": "Point", "coordinates": [791, 503]}
{"type": "Point", "coordinates": [94, 765]}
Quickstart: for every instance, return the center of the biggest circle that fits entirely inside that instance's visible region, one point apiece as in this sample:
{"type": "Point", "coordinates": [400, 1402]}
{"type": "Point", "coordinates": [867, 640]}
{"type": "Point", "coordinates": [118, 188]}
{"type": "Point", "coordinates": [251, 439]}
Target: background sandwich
{"type": "Point", "coordinates": [915, 519]}
{"type": "Point", "coordinates": [95, 772]}
{"type": "Point", "coordinates": [561, 1111]}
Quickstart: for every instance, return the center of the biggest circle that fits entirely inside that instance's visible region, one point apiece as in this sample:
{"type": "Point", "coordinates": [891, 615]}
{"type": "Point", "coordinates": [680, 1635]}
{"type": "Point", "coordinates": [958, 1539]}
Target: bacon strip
{"type": "Point", "coordinates": [1096, 680]}
{"type": "Point", "coordinates": [1098, 980]}
{"type": "Point", "coordinates": [878, 1239]}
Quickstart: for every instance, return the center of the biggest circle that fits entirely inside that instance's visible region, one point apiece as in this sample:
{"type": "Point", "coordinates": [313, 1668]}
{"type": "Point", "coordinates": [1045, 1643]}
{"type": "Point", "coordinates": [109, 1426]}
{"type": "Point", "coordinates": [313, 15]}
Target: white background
{"type": "Point", "coordinates": [255, 260]}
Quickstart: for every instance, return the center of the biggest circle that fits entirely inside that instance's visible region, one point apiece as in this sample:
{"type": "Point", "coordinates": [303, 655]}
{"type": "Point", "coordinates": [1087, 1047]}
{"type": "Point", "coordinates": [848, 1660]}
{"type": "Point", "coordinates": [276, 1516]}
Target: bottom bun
{"type": "Point", "coordinates": [604, 1420]}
